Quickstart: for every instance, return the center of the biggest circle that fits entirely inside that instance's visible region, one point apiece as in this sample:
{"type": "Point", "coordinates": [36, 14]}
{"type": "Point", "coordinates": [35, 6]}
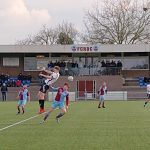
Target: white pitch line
{"type": "Point", "coordinates": [22, 121]}
{"type": "Point", "coordinates": [19, 122]}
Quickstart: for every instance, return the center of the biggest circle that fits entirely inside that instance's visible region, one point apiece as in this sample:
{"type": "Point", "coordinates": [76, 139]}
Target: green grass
{"type": "Point", "coordinates": [121, 126]}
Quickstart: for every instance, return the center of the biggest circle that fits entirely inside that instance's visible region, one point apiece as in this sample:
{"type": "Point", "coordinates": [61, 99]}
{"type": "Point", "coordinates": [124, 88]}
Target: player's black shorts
{"type": "Point", "coordinates": [44, 88]}
{"type": "Point", "coordinates": [41, 103]}
{"type": "Point", "coordinates": [148, 96]}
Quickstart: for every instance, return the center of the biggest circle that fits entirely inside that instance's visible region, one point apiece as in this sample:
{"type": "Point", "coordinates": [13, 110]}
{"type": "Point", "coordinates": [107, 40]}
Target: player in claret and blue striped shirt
{"type": "Point", "coordinates": [102, 92]}
{"type": "Point", "coordinates": [62, 93]}
{"type": "Point", "coordinates": [23, 96]}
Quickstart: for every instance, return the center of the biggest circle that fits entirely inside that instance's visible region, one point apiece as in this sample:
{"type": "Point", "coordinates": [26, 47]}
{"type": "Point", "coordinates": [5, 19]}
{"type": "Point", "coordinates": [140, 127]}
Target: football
{"type": "Point", "coordinates": [70, 78]}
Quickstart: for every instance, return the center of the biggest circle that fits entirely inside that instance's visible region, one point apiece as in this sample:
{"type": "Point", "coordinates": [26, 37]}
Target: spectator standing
{"type": "Point", "coordinates": [20, 77]}
{"type": "Point", "coordinates": [75, 68]}
{"type": "Point", "coordinates": [50, 65]}
{"type": "Point", "coordinates": [119, 66]}
{"type": "Point", "coordinates": [4, 91]}
{"type": "Point", "coordinates": [69, 65]}
{"type": "Point", "coordinates": [13, 83]}
{"type": "Point", "coordinates": [18, 83]}
{"type": "Point", "coordinates": [98, 64]}
{"type": "Point", "coordinates": [103, 64]}
{"type": "Point", "coordinates": [56, 63]}
{"type": "Point", "coordinates": [107, 63]}
{"type": "Point", "coordinates": [113, 64]}
{"type": "Point", "coordinates": [76, 64]}
{"type": "Point", "coordinates": [66, 68]}
{"type": "Point", "coordinates": [62, 68]}
{"type": "Point", "coordinates": [3, 77]}
{"type": "Point", "coordinates": [80, 65]}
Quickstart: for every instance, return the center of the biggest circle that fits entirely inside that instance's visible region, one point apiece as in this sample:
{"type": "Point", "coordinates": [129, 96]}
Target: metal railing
{"type": "Point", "coordinates": [90, 71]}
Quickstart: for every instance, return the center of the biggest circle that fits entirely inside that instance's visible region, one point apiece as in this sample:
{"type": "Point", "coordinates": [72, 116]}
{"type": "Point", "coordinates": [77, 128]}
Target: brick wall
{"type": "Point", "coordinates": [114, 83]}
{"type": "Point", "coordinates": [135, 73]}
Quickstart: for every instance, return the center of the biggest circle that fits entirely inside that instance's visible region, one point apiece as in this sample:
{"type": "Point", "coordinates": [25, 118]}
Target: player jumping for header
{"type": "Point", "coordinates": [62, 93]}
{"type": "Point", "coordinates": [50, 78]}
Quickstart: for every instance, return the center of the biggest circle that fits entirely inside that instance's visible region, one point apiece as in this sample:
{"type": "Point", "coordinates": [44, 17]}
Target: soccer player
{"type": "Point", "coordinates": [148, 94]}
{"type": "Point", "coordinates": [62, 93]}
{"type": "Point", "coordinates": [50, 79]}
{"type": "Point", "coordinates": [101, 92]}
{"type": "Point", "coordinates": [41, 97]}
{"type": "Point", "coordinates": [23, 96]}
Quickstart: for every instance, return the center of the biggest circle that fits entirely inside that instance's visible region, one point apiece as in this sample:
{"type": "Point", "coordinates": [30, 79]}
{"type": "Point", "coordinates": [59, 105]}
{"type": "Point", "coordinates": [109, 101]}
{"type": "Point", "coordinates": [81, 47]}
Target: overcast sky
{"type": "Point", "coordinates": [19, 18]}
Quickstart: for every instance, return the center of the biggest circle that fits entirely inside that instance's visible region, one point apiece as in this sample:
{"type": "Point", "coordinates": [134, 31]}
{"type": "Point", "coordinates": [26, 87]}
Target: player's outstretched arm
{"type": "Point", "coordinates": [54, 88]}
{"type": "Point", "coordinates": [47, 71]}
{"type": "Point", "coordinates": [45, 76]}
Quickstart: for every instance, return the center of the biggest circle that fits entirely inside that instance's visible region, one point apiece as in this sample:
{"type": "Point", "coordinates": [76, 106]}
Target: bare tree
{"type": "Point", "coordinates": [68, 30]}
{"type": "Point", "coordinates": [118, 22]}
{"type": "Point", "coordinates": [27, 41]}
{"type": "Point", "coordinates": [50, 36]}
{"type": "Point", "coordinates": [46, 36]}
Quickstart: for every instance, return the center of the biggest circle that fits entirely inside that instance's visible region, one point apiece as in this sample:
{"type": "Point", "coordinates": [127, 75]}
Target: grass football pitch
{"type": "Point", "coordinates": [121, 126]}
